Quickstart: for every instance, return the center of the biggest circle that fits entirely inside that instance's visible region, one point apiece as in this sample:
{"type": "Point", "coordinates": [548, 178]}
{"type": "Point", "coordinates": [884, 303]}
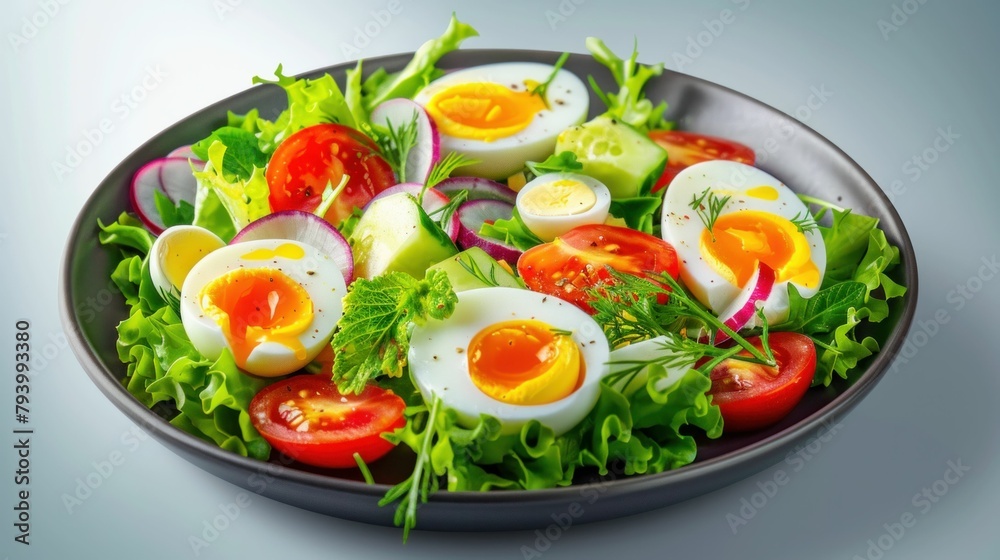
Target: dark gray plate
{"type": "Point", "coordinates": [787, 149]}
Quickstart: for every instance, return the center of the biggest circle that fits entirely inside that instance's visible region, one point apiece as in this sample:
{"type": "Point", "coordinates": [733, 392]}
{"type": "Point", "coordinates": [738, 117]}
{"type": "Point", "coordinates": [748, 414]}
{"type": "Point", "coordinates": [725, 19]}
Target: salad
{"type": "Point", "coordinates": [467, 264]}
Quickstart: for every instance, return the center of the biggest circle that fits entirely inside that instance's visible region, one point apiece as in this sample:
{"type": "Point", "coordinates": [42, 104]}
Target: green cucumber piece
{"type": "Point", "coordinates": [395, 234]}
{"type": "Point", "coordinates": [621, 157]}
{"type": "Point", "coordinates": [473, 268]}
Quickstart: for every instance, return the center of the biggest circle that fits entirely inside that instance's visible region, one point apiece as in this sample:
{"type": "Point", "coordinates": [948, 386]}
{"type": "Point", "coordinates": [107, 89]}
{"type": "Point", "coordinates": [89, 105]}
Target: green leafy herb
{"type": "Point", "coordinates": [221, 195]}
{"type": "Point", "coordinates": [395, 142]}
{"type": "Point", "coordinates": [374, 334]}
{"type": "Point", "coordinates": [445, 167]}
{"type": "Point", "coordinates": [804, 222]}
{"type": "Point", "coordinates": [839, 351]}
{"type": "Point", "coordinates": [243, 153]}
{"type": "Point", "coordinates": [639, 212]}
{"type": "Point", "coordinates": [563, 162]}
{"type": "Point", "coordinates": [473, 268]}
{"type": "Point", "coordinates": [709, 207]}
{"type": "Point", "coordinates": [180, 215]}
{"type": "Point", "coordinates": [363, 467]}
{"type": "Point", "coordinates": [443, 215]}
{"type": "Point", "coordinates": [347, 225]}
{"type": "Point", "coordinates": [542, 89]}
{"type": "Point", "coordinates": [629, 104]}
{"type": "Point", "coordinates": [512, 232]}
{"type": "Point", "coordinates": [880, 257]}
{"type": "Point", "coordinates": [824, 311]}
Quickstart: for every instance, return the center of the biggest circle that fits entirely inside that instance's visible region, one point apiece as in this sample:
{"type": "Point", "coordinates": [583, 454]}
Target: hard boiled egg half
{"type": "Point", "coordinates": [762, 224]}
{"type": "Point", "coordinates": [513, 354]}
{"type": "Point", "coordinates": [274, 303]}
{"type": "Point", "coordinates": [174, 254]}
{"type": "Point", "coordinates": [489, 113]}
{"type": "Point", "coordinates": [554, 203]}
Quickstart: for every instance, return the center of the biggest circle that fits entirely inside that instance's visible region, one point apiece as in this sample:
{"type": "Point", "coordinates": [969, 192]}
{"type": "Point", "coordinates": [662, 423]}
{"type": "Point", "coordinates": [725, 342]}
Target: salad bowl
{"type": "Point", "coordinates": [786, 148]}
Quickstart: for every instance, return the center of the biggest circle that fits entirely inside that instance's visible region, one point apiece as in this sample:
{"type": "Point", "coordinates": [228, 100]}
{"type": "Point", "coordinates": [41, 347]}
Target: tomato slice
{"type": "Point", "coordinates": [576, 260]}
{"type": "Point", "coordinates": [685, 149]}
{"type": "Point", "coordinates": [308, 419]}
{"type": "Point", "coordinates": [752, 396]}
{"type": "Point", "coordinates": [310, 159]}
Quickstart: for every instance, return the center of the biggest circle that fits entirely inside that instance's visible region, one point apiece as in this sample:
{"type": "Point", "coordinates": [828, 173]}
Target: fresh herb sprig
{"type": "Point", "coordinates": [709, 207]}
{"type": "Point", "coordinates": [804, 222]}
{"type": "Point", "coordinates": [473, 268]}
{"type": "Point", "coordinates": [395, 143]}
{"type": "Point", "coordinates": [443, 169]}
{"type": "Point", "coordinates": [542, 89]}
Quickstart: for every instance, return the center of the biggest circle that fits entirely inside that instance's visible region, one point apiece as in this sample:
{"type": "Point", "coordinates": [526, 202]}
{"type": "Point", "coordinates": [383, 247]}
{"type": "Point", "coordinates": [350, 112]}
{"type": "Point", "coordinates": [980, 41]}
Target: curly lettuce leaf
{"type": "Point", "coordinates": [212, 397]}
{"type": "Point", "coordinates": [629, 104]}
{"type": "Point", "coordinates": [242, 200]}
{"type": "Point", "coordinates": [420, 71]}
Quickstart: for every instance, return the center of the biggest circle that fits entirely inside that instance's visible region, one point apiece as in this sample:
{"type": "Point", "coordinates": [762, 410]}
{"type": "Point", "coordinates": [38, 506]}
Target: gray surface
{"type": "Point", "coordinates": [889, 99]}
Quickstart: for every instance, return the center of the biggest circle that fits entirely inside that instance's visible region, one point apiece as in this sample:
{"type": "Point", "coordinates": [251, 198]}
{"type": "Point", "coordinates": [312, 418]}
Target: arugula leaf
{"type": "Point", "coordinates": [638, 212]}
{"type": "Point", "coordinates": [563, 162]}
{"type": "Point", "coordinates": [420, 71]}
{"type": "Point", "coordinates": [212, 397]}
{"type": "Point", "coordinates": [824, 311]}
{"type": "Point", "coordinates": [242, 151]}
{"type": "Point", "coordinates": [182, 214]}
{"type": "Point", "coordinates": [846, 240]}
{"type": "Point", "coordinates": [512, 232]}
{"type": "Point", "coordinates": [374, 333]}
{"type": "Point", "coordinates": [628, 105]}
{"type": "Point", "coordinates": [244, 200]}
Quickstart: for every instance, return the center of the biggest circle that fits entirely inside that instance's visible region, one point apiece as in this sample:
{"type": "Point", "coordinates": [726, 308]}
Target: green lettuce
{"type": "Point", "coordinates": [629, 104]}
{"type": "Point", "coordinates": [212, 397]}
{"type": "Point", "coordinates": [228, 202]}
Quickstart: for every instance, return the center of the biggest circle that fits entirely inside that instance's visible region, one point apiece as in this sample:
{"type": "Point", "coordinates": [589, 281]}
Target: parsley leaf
{"type": "Point", "coordinates": [374, 335]}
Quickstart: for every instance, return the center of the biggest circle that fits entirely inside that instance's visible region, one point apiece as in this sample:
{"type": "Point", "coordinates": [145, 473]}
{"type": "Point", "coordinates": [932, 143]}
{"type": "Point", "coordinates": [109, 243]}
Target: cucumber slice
{"type": "Point", "coordinates": [473, 268]}
{"type": "Point", "coordinates": [621, 157]}
{"type": "Point", "coordinates": [395, 234]}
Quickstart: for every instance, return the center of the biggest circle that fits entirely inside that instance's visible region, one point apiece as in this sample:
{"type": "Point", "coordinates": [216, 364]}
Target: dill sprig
{"type": "Point", "coordinates": [709, 207]}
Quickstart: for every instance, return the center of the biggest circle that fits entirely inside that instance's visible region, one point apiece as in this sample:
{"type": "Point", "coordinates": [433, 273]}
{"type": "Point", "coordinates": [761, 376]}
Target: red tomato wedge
{"type": "Point", "coordinates": [576, 260]}
{"type": "Point", "coordinates": [310, 159]}
{"type": "Point", "coordinates": [752, 396]}
{"type": "Point", "coordinates": [308, 419]}
{"type": "Point", "coordinates": [685, 149]}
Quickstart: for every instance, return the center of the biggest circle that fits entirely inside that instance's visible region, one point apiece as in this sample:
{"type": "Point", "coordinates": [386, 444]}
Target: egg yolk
{"type": "Point", "coordinates": [524, 362]}
{"type": "Point", "coordinates": [257, 305]}
{"type": "Point", "coordinates": [182, 250]}
{"type": "Point", "coordinates": [563, 197]}
{"type": "Point", "coordinates": [744, 239]}
{"type": "Point", "coordinates": [483, 111]}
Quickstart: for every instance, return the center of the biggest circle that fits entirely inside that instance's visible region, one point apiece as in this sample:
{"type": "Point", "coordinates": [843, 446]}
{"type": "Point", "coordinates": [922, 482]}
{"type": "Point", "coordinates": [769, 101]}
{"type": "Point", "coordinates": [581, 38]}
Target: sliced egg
{"type": "Point", "coordinates": [513, 354]}
{"type": "Point", "coordinates": [554, 203]}
{"type": "Point", "coordinates": [174, 254]}
{"type": "Point", "coordinates": [489, 113]}
{"type": "Point", "coordinates": [273, 303]}
{"type": "Point", "coordinates": [763, 221]}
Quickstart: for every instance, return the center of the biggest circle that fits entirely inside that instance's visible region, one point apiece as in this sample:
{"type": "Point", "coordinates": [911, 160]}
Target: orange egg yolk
{"type": "Point", "coordinates": [483, 111]}
{"type": "Point", "coordinates": [749, 237]}
{"type": "Point", "coordinates": [257, 305]}
{"type": "Point", "coordinates": [524, 362]}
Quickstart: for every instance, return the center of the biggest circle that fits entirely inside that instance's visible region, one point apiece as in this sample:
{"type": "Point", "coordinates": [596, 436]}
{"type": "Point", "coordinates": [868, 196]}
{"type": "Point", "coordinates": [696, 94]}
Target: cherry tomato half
{"type": "Point", "coordinates": [688, 148]}
{"type": "Point", "coordinates": [576, 260]}
{"type": "Point", "coordinates": [752, 396]}
{"type": "Point", "coordinates": [313, 157]}
{"type": "Point", "coordinates": [308, 419]}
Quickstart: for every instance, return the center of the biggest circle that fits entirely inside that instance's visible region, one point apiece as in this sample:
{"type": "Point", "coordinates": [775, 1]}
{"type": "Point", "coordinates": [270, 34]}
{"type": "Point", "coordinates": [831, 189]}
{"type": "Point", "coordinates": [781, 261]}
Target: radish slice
{"type": "Point", "coordinates": [472, 215]}
{"type": "Point", "coordinates": [183, 152]}
{"type": "Point", "coordinates": [479, 189]}
{"type": "Point", "coordinates": [307, 228]}
{"type": "Point", "coordinates": [744, 307]}
{"type": "Point", "coordinates": [434, 200]}
{"type": "Point", "coordinates": [427, 151]}
{"type": "Point", "coordinates": [177, 178]}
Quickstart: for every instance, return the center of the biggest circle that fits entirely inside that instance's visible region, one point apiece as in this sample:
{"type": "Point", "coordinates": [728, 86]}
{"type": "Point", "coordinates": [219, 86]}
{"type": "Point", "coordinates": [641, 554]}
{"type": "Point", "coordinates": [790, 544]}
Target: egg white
{"type": "Point", "coordinates": [439, 364]}
{"type": "Point", "coordinates": [682, 228]}
{"type": "Point", "coordinates": [548, 228]}
{"type": "Point", "coordinates": [568, 102]}
{"type": "Point", "coordinates": [176, 239]}
{"type": "Point", "coordinates": [318, 275]}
